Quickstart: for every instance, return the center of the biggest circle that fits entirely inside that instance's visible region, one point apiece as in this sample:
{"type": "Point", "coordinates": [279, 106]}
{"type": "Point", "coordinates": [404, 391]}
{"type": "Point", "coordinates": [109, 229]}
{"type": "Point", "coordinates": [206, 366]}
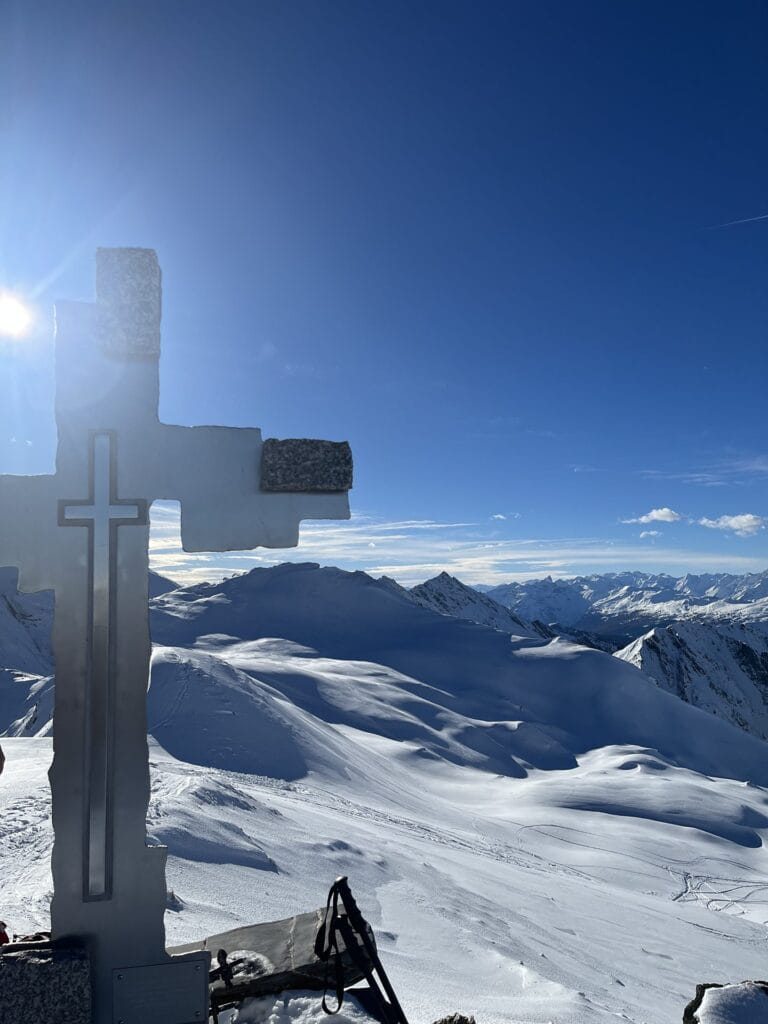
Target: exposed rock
{"type": "Point", "coordinates": [45, 982]}
{"type": "Point", "coordinates": [305, 465]}
{"type": "Point", "coordinates": [745, 1003]}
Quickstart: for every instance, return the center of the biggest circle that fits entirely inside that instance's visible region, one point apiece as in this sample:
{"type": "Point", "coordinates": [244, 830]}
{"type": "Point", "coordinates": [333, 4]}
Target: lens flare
{"type": "Point", "coordinates": [15, 317]}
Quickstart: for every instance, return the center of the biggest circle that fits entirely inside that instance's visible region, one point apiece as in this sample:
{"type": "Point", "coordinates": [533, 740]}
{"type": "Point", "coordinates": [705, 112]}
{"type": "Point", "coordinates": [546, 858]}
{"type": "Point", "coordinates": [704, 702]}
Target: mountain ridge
{"type": "Point", "coordinates": [623, 605]}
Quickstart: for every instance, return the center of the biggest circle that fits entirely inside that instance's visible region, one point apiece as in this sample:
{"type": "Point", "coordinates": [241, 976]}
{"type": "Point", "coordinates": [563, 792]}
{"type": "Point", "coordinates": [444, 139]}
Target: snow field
{"type": "Point", "coordinates": [536, 832]}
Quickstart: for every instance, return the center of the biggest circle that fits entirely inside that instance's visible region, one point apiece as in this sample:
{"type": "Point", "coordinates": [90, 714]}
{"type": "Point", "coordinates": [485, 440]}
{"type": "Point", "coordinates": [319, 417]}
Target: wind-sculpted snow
{"type": "Point", "coordinates": [205, 711]}
{"type": "Point", "coordinates": [373, 661]}
{"type": "Point", "coordinates": [536, 831]}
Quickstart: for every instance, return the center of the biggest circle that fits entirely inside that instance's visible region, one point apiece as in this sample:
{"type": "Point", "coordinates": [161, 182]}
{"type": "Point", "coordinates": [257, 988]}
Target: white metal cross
{"type": "Point", "coordinates": [236, 492]}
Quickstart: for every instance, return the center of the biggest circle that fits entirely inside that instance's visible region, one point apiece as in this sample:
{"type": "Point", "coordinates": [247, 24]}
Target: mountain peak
{"type": "Point", "coordinates": [447, 595]}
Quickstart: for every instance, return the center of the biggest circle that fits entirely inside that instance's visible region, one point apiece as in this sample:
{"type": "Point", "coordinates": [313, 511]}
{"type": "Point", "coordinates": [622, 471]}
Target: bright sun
{"type": "Point", "coordinates": [15, 318]}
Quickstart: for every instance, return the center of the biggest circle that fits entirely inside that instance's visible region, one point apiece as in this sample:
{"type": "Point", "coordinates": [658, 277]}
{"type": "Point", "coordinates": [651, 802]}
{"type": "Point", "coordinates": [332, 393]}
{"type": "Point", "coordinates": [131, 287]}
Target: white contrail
{"type": "Point", "coordinates": [744, 220]}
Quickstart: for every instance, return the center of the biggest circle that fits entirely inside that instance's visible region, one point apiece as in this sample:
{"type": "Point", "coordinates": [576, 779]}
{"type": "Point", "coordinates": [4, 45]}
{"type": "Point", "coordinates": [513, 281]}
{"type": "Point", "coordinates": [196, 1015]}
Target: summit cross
{"type": "Point", "coordinates": [83, 532]}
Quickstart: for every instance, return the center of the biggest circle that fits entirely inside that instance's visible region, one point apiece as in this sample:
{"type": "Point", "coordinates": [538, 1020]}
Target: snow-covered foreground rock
{"type": "Point", "coordinates": [536, 831]}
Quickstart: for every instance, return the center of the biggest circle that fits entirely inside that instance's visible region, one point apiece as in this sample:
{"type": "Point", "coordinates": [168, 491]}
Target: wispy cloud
{"type": "Point", "coordinates": [650, 533]}
{"type": "Point", "coordinates": [413, 550]}
{"type": "Point", "coordinates": [742, 220]}
{"type": "Point", "coordinates": [744, 525]}
{"type": "Point", "coordinates": [704, 478]}
{"type": "Point", "coordinates": [728, 470]}
{"type": "Point", "coordinates": [656, 515]}
{"type": "Point", "coordinates": [756, 465]}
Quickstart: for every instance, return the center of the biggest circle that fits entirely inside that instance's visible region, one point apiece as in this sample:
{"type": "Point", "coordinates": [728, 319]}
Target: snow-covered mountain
{"type": "Point", "coordinates": [463, 693]}
{"type": "Point", "coordinates": [621, 606]}
{"type": "Point", "coordinates": [721, 668]}
{"type": "Point", "coordinates": [536, 830]}
{"type": "Point", "coordinates": [448, 596]}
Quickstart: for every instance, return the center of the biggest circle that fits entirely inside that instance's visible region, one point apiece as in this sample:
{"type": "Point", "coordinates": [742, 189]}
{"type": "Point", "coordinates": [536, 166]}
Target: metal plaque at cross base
{"type": "Point", "coordinates": [83, 532]}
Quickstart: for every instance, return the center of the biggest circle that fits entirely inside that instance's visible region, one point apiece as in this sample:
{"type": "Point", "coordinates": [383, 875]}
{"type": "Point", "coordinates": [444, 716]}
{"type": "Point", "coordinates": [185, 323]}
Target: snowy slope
{"type": "Point", "coordinates": [26, 661]}
{"type": "Point", "coordinates": [26, 657]}
{"type": "Point", "coordinates": [160, 584]}
{"type": "Point", "coordinates": [463, 691]}
{"type": "Point", "coordinates": [25, 627]}
{"type": "Point", "coordinates": [537, 832]}
{"type": "Point", "coordinates": [722, 669]}
{"type": "Point", "coordinates": [507, 899]}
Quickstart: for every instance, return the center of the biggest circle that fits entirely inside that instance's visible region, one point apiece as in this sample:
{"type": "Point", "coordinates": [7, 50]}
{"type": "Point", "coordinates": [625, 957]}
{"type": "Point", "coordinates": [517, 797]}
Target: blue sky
{"type": "Point", "coordinates": [479, 240]}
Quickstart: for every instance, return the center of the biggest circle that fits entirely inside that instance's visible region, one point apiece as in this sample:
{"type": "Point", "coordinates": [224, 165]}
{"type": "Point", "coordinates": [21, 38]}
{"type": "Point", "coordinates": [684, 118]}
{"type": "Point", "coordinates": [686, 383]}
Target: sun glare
{"type": "Point", "coordinates": [15, 317]}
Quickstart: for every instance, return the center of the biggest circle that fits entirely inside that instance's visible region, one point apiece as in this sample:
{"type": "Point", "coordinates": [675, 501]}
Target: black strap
{"type": "Point", "coordinates": [327, 945]}
{"type": "Point", "coordinates": [354, 931]}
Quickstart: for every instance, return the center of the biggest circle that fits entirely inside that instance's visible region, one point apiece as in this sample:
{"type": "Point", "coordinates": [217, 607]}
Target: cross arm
{"type": "Point", "coordinates": [238, 492]}
{"type": "Point", "coordinates": [28, 530]}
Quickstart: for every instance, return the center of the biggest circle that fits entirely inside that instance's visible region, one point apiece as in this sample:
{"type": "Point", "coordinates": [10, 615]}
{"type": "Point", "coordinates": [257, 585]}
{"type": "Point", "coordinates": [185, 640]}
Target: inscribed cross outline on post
{"type": "Point", "coordinates": [101, 514]}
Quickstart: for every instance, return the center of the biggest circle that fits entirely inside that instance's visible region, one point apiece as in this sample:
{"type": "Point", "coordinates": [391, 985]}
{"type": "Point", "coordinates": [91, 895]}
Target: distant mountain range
{"type": "Point", "coordinates": [707, 642]}
{"type": "Point", "coordinates": [621, 606]}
